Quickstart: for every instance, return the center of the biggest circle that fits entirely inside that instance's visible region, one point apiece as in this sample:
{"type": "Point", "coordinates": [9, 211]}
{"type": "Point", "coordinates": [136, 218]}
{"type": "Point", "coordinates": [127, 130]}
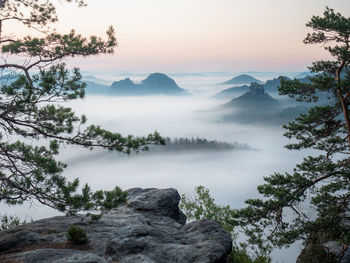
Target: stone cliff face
{"type": "Point", "coordinates": [149, 228]}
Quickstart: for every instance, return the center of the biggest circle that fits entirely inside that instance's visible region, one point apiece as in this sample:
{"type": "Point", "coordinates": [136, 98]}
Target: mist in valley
{"type": "Point", "coordinates": [232, 175]}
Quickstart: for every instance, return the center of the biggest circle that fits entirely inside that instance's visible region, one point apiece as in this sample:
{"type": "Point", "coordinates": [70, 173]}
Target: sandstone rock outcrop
{"type": "Point", "coordinates": [149, 228]}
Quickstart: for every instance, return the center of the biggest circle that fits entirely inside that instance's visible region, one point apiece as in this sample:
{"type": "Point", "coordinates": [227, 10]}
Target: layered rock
{"type": "Point", "coordinates": [149, 228]}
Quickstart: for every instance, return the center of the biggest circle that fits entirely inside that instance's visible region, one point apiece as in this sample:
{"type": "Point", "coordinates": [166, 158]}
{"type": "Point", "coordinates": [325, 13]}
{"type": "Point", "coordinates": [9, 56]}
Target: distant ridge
{"type": "Point", "coordinates": [257, 106]}
{"type": "Point", "coordinates": [305, 74]}
{"type": "Point", "coordinates": [154, 84]}
{"type": "Point", "coordinates": [256, 97]}
{"type": "Point", "coordinates": [270, 86]}
{"type": "Point", "coordinates": [242, 79]}
{"type": "Point", "coordinates": [231, 92]}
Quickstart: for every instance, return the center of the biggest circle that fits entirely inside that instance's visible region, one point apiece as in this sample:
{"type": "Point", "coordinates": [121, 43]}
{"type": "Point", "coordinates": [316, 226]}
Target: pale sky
{"type": "Point", "coordinates": [201, 35]}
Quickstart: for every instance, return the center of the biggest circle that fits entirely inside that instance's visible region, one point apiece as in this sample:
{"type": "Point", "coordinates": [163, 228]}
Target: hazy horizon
{"type": "Point", "coordinates": [199, 44]}
{"type": "Point", "coordinates": [232, 176]}
{"type": "Point", "coordinates": [193, 36]}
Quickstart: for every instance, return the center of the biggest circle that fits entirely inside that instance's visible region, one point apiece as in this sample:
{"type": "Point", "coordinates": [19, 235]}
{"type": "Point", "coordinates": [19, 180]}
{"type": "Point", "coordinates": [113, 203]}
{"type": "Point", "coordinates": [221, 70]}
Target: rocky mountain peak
{"type": "Point", "coordinates": [256, 89]}
{"type": "Point", "coordinates": [159, 79]}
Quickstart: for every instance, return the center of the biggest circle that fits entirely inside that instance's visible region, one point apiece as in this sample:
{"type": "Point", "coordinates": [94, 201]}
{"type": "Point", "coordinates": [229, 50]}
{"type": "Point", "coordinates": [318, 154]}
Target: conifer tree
{"type": "Point", "coordinates": [312, 202]}
{"type": "Point", "coordinates": [33, 124]}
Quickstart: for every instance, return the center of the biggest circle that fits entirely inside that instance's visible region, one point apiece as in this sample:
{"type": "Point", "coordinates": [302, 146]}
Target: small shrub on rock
{"type": "Point", "coordinates": [77, 236]}
{"type": "Point", "coordinates": [7, 222]}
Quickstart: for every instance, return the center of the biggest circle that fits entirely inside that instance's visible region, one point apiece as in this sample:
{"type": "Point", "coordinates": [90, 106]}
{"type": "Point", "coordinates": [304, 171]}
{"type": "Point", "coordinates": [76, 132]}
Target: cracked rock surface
{"type": "Point", "coordinates": [149, 228]}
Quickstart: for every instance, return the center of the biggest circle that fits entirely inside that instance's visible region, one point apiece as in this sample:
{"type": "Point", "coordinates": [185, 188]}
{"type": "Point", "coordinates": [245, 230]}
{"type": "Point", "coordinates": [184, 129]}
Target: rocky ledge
{"type": "Point", "coordinates": [149, 228]}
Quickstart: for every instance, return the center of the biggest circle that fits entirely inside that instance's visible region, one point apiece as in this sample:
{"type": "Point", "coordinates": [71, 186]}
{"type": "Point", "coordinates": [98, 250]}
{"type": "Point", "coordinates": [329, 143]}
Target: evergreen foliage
{"type": "Point", "coordinates": [7, 222]}
{"type": "Point", "coordinates": [34, 124]}
{"type": "Point", "coordinates": [198, 144]}
{"type": "Point", "coordinates": [313, 199]}
{"type": "Point", "coordinates": [77, 236]}
{"type": "Point", "coordinates": [202, 205]}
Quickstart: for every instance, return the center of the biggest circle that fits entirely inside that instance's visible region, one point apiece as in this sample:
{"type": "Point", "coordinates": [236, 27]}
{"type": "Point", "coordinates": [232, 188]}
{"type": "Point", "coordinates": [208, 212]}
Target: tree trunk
{"type": "Point", "coordinates": [344, 104]}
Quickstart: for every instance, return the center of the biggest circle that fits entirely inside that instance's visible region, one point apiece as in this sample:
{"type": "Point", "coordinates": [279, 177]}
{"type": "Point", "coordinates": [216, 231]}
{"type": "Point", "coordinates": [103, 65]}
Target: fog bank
{"type": "Point", "coordinates": [231, 176]}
